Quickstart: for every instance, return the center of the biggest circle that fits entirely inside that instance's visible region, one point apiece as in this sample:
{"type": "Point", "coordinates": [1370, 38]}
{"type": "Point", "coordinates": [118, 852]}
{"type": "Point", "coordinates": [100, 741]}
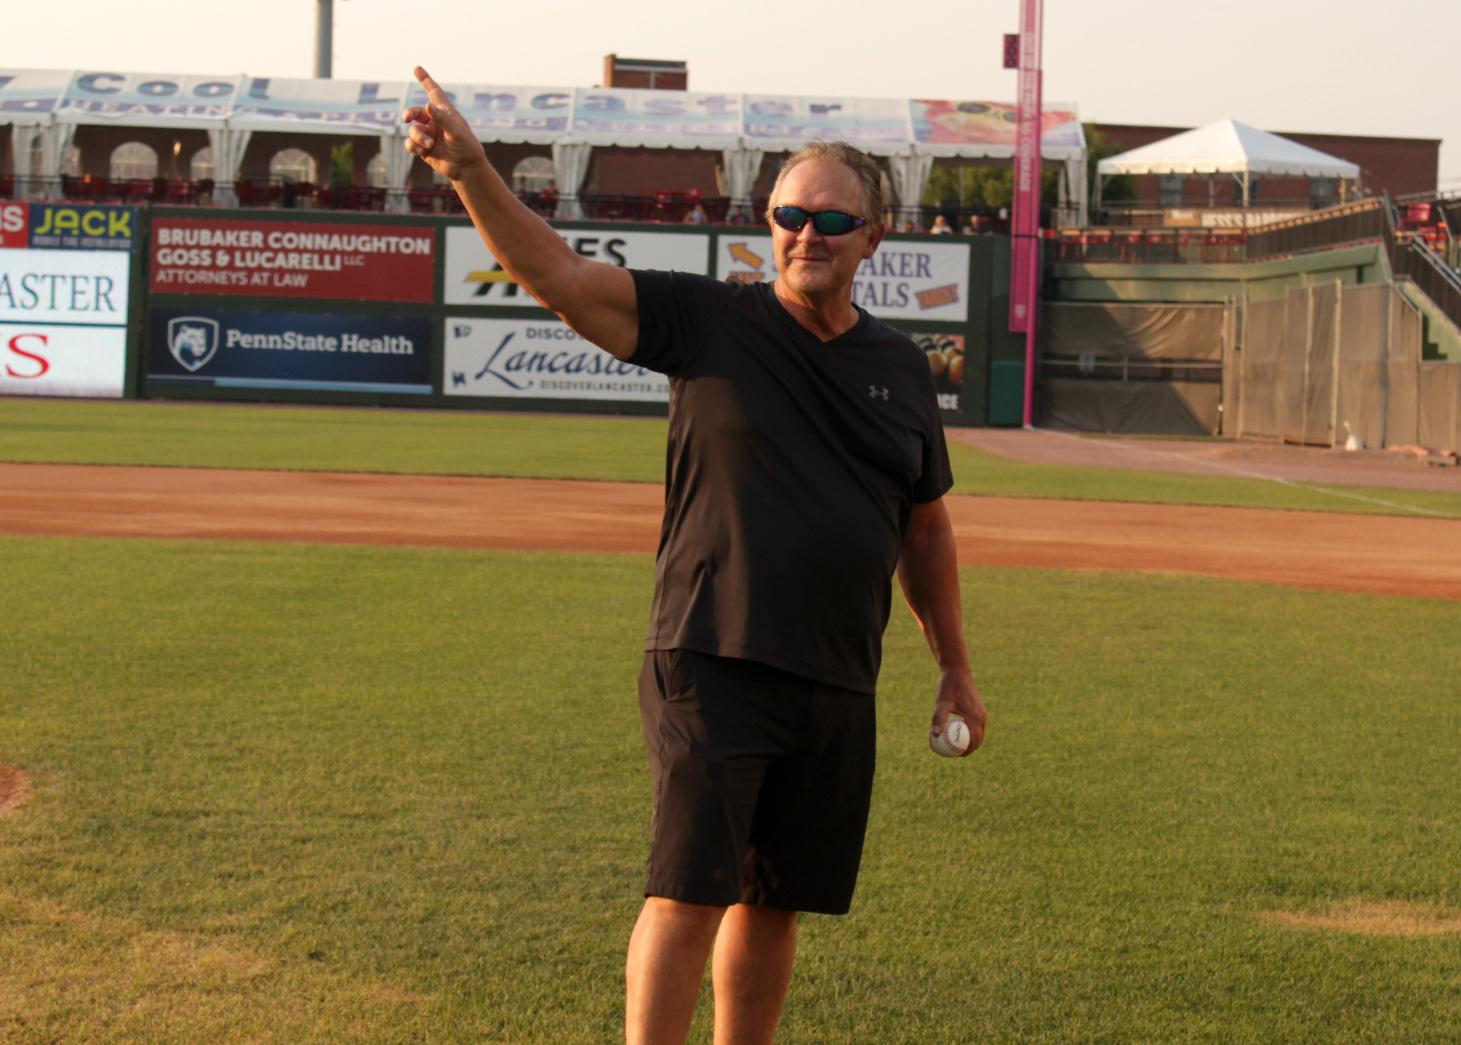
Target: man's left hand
{"type": "Point", "coordinates": [958, 693]}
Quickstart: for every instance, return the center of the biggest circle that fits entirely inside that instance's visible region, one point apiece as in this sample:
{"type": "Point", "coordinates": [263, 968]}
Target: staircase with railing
{"type": "Point", "coordinates": [1415, 257]}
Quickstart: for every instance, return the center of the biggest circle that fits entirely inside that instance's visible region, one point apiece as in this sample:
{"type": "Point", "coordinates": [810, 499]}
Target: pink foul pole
{"type": "Point", "coordinates": [1025, 231]}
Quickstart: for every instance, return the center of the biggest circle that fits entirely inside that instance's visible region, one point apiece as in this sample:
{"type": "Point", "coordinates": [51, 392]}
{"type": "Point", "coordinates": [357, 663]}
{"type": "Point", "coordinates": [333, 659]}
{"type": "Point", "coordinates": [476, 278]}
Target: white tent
{"type": "Point", "coordinates": [1227, 147]}
{"type": "Point", "coordinates": [46, 106]}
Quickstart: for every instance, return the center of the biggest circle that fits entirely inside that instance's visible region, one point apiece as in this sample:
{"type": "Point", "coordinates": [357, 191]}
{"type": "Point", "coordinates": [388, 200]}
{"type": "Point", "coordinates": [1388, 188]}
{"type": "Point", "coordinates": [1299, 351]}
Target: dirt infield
{"type": "Point", "coordinates": [1357, 553]}
{"type": "Point", "coordinates": [14, 789]}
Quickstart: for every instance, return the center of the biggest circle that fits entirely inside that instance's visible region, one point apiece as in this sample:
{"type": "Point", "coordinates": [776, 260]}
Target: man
{"type": "Point", "coordinates": [806, 463]}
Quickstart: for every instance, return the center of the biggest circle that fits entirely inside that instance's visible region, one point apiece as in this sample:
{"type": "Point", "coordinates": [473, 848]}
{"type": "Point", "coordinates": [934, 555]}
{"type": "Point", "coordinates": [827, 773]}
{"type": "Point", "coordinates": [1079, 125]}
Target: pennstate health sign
{"type": "Point", "coordinates": [293, 259]}
{"type": "Point", "coordinates": [229, 348]}
{"type": "Point", "coordinates": [475, 277]}
{"type": "Point", "coordinates": [905, 279]}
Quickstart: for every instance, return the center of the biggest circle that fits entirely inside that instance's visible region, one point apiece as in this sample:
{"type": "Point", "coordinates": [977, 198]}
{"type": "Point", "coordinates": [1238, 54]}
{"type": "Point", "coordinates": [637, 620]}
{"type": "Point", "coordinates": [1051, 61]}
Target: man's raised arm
{"type": "Point", "coordinates": [595, 299]}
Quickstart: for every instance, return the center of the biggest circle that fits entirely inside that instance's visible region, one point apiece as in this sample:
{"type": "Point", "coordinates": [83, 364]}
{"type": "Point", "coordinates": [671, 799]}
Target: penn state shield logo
{"type": "Point", "coordinates": [192, 340]}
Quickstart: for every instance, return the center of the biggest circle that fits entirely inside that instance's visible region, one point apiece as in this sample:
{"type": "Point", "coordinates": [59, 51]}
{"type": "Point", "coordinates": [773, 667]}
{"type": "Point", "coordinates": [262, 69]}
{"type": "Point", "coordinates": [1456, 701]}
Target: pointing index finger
{"type": "Point", "coordinates": [433, 89]}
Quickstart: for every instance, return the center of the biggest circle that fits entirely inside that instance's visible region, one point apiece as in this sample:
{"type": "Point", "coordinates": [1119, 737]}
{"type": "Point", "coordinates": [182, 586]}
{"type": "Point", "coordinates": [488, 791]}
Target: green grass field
{"type": "Point", "coordinates": [559, 447]}
{"type": "Point", "coordinates": [317, 793]}
{"type": "Point", "coordinates": [295, 793]}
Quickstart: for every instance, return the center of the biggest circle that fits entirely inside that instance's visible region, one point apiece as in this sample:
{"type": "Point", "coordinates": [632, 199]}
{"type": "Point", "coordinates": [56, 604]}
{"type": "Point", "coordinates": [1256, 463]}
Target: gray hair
{"type": "Point", "coordinates": [869, 174]}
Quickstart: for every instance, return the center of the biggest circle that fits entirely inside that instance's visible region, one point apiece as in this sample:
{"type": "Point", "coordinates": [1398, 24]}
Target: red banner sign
{"type": "Point", "coordinates": [13, 225]}
{"type": "Point", "coordinates": [293, 259]}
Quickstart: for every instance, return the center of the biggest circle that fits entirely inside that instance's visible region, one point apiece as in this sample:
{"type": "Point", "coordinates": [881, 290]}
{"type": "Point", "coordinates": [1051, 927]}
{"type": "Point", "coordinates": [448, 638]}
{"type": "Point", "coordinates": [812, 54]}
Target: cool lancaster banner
{"type": "Point", "coordinates": [862, 121]}
{"type": "Point", "coordinates": [903, 280]}
{"type": "Point", "coordinates": [63, 322]}
{"type": "Point", "coordinates": [334, 353]}
{"type": "Point", "coordinates": [295, 259]}
{"type": "Point", "coordinates": [539, 359]}
{"type": "Point", "coordinates": [474, 277]}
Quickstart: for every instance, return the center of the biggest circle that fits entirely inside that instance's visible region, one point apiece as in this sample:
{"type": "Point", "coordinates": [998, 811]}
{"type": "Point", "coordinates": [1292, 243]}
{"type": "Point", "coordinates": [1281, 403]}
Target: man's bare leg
{"type": "Point", "coordinates": [665, 966]}
{"type": "Point", "coordinates": [754, 951]}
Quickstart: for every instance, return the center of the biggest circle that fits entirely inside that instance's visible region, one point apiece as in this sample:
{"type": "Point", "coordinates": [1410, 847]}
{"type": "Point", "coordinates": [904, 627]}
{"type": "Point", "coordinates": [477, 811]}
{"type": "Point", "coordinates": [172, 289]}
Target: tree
{"type": "Point", "coordinates": [1120, 188]}
{"type": "Point", "coordinates": [342, 164]}
{"type": "Point", "coordinates": [970, 187]}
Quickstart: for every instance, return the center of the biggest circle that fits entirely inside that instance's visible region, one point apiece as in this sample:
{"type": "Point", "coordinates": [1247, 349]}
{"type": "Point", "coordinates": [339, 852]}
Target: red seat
{"type": "Point", "coordinates": [1418, 214]}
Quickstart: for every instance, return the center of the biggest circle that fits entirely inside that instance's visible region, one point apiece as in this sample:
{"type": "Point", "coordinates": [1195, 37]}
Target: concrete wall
{"type": "Point", "coordinates": [1214, 283]}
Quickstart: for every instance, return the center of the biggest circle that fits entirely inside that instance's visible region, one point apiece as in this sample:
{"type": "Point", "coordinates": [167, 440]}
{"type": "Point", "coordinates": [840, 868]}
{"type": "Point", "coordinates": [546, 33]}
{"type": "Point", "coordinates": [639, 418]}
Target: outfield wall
{"type": "Point", "coordinates": [318, 307]}
{"type": "Point", "coordinates": [1314, 348]}
{"type": "Point", "coordinates": [68, 299]}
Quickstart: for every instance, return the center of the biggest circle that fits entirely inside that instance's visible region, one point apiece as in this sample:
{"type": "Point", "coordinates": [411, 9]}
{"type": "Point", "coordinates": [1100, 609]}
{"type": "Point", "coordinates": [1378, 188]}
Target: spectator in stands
{"type": "Point", "coordinates": [696, 215]}
{"type": "Point", "coordinates": [941, 226]}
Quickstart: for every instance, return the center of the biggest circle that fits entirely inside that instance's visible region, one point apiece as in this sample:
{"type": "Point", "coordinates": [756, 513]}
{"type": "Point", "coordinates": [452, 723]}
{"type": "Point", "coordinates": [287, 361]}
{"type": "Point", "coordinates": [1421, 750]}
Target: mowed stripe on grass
{"type": "Point", "coordinates": [316, 792]}
{"type": "Point", "coordinates": [562, 446]}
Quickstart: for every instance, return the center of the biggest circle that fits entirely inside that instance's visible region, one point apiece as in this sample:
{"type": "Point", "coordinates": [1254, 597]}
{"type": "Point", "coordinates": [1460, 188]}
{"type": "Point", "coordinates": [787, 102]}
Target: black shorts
{"type": "Point", "coordinates": [762, 781]}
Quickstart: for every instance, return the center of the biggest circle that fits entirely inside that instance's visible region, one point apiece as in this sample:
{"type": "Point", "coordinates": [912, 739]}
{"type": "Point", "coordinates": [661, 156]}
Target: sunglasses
{"type": "Point", "coordinates": [826, 222]}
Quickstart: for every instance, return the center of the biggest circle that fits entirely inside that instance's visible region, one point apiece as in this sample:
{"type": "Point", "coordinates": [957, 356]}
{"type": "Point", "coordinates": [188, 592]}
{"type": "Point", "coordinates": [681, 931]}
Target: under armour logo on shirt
{"type": "Point", "coordinates": [874, 392]}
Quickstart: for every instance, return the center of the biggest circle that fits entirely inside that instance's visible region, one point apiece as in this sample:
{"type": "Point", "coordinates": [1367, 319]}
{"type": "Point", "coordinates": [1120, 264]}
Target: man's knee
{"type": "Point", "coordinates": [681, 918]}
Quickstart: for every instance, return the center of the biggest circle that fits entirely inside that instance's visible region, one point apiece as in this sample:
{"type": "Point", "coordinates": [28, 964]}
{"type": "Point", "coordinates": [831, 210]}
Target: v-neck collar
{"type": "Point", "coordinates": [863, 317]}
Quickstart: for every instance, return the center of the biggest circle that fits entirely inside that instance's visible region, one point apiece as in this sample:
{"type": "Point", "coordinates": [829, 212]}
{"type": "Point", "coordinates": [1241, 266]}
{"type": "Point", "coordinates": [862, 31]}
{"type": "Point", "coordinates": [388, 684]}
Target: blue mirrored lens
{"type": "Point", "coordinates": [826, 222]}
{"type": "Point", "coordinates": [834, 222]}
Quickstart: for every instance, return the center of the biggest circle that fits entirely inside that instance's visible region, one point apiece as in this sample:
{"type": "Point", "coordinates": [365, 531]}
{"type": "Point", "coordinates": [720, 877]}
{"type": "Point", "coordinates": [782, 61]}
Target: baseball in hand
{"type": "Point", "coordinates": [954, 740]}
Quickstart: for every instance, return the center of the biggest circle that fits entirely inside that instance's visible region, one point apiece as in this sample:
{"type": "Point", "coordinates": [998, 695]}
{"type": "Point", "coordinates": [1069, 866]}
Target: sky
{"type": "Point", "coordinates": [1337, 67]}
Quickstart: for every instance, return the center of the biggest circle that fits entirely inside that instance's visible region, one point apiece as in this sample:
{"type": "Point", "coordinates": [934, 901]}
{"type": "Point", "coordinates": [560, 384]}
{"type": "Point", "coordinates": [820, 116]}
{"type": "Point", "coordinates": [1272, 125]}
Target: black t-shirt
{"type": "Point", "coordinates": [793, 465]}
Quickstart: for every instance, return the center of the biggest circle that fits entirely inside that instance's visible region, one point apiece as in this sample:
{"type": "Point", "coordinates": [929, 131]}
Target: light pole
{"type": "Point", "coordinates": [324, 37]}
{"type": "Point", "coordinates": [1025, 233]}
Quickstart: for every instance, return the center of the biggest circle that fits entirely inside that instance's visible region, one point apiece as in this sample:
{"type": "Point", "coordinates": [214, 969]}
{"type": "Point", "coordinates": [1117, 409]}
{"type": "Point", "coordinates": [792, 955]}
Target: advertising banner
{"type": "Point", "coordinates": [474, 276]}
{"type": "Point", "coordinates": [939, 122]}
{"type": "Point", "coordinates": [294, 259]}
{"type": "Point", "coordinates": [640, 114]}
{"type": "Point", "coordinates": [63, 286]}
{"type": "Point", "coordinates": [30, 95]}
{"type": "Point", "coordinates": [63, 317]}
{"type": "Point", "coordinates": [65, 226]}
{"type": "Point", "coordinates": [862, 121]}
{"type": "Point", "coordinates": [14, 225]}
{"type": "Point", "coordinates": [268, 102]}
{"type": "Point", "coordinates": [945, 352]}
{"type": "Point", "coordinates": [903, 280]}
{"type": "Point", "coordinates": [539, 359]}
{"type": "Point", "coordinates": [95, 97]}
{"type": "Point", "coordinates": [539, 113]}
{"type": "Point", "coordinates": [335, 353]}
{"type": "Point", "coordinates": [62, 361]}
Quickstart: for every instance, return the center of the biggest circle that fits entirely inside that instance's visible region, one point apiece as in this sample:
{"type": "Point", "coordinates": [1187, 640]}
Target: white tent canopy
{"type": "Point", "coordinates": [744, 128]}
{"type": "Point", "coordinates": [1228, 147]}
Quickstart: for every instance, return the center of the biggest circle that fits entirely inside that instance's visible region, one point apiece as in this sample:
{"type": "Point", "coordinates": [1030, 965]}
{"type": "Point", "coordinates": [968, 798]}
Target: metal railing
{"type": "Point", "coordinates": [1366, 220]}
{"type": "Point", "coordinates": [284, 193]}
{"type": "Point", "coordinates": [1131, 245]}
{"type": "Point", "coordinates": [1412, 258]}
{"type": "Point", "coordinates": [1360, 222]}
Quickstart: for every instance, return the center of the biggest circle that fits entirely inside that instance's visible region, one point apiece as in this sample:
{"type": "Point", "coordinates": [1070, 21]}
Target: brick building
{"type": "Point", "coordinates": [1395, 165]}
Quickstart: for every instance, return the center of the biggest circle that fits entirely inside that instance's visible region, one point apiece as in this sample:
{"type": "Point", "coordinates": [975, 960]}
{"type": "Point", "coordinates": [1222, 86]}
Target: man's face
{"type": "Point", "coordinates": [809, 263]}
